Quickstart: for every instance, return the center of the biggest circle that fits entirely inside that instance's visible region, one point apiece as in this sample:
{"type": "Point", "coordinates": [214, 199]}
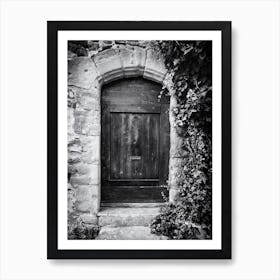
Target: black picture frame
{"type": "Point", "coordinates": [52, 131]}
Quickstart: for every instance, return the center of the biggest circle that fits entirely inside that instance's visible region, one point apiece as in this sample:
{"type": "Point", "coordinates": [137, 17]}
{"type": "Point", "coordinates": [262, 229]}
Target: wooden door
{"type": "Point", "coordinates": [135, 142]}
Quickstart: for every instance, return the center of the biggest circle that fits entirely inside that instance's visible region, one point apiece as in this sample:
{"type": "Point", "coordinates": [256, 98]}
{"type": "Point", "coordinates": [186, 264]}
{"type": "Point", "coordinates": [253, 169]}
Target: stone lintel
{"type": "Point", "coordinates": [130, 61]}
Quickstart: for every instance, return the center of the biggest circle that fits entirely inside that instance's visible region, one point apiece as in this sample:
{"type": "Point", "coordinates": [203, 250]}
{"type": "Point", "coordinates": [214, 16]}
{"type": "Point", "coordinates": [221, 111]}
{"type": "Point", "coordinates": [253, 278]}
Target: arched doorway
{"type": "Point", "coordinates": [134, 142]}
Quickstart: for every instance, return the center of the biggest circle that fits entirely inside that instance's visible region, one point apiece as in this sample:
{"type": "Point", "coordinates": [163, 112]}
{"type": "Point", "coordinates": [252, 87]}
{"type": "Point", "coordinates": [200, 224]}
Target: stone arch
{"type": "Point", "coordinates": [86, 76]}
{"type": "Point", "coordinates": [129, 61]}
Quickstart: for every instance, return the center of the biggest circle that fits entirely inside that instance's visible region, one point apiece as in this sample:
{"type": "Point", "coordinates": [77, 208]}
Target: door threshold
{"type": "Point", "coordinates": [132, 205]}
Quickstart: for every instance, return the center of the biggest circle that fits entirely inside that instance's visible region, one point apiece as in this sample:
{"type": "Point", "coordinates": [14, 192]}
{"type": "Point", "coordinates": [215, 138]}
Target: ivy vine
{"type": "Point", "coordinates": [189, 65]}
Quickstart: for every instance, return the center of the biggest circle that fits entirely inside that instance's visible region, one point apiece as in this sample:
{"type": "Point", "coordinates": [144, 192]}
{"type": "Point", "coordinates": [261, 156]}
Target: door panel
{"type": "Point", "coordinates": [134, 146]}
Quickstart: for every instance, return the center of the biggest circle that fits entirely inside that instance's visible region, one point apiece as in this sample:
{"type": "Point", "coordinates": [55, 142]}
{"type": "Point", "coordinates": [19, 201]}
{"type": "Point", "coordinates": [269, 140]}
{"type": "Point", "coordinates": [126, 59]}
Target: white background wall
{"type": "Point", "coordinates": [255, 138]}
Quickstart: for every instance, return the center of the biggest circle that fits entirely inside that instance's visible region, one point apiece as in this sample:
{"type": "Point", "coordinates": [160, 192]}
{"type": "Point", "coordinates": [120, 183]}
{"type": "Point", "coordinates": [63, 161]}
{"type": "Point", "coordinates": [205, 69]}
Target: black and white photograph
{"type": "Point", "coordinates": [138, 125]}
{"type": "Point", "coordinates": [155, 154]}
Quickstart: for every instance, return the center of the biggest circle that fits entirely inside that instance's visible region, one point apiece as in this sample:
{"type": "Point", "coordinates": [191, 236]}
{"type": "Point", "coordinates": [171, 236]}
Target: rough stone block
{"type": "Point", "coordinates": [87, 122]}
{"type": "Point", "coordinates": [91, 156]}
{"type": "Point", "coordinates": [78, 180]}
{"type": "Point", "coordinates": [90, 178]}
{"type": "Point", "coordinates": [95, 189]}
{"type": "Point", "coordinates": [72, 169]}
{"type": "Point", "coordinates": [71, 97]}
{"type": "Point", "coordinates": [177, 146]}
{"type": "Point", "coordinates": [81, 179]}
{"type": "Point", "coordinates": [106, 43]}
{"type": "Point", "coordinates": [75, 148]}
{"type": "Point", "coordinates": [133, 60]}
{"type": "Point", "coordinates": [109, 65]}
{"type": "Point", "coordinates": [90, 143]}
{"type": "Point", "coordinates": [71, 55]}
{"type": "Point", "coordinates": [74, 145]}
{"type": "Point", "coordinates": [88, 206]}
{"type": "Point", "coordinates": [70, 122]}
{"type": "Point", "coordinates": [86, 201]}
{"type": "Point", "coordinates": [91, 149]}
{"type": "Point", "coordinates": [81, 168]}
{"type": "Point", "coordinates": [89, 219]}
{"type": "Point", "coordinates": [74, 157]}
{"type": "Point", "coordinates": [174, 195]}
{"type": "Point", "coordinates": [176, 170]}
{"type": "Point", "coordinates": [71, 199]}
{"type": "Point", "coordinates": [154, 69]}
{"type": "Point", "coordinates": [84, 206]}
{"type": "Point", "coordinates": [88, 99]}
{"type": "Point", "coordinates": [83, 192]}
{"type": "Point", "coordinates": [94, 173]}
{"type": "Point", "coordinates": [120, 41]}
{"type": "Point", "coordinates": [88, 103]}
{"type": "Point", "coordinates": [93, 45]}
{"type": "Point", "coordinates": [81, 72]}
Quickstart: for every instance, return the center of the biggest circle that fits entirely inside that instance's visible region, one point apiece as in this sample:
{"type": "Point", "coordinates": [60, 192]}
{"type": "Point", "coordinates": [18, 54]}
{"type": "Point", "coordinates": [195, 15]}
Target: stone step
{"type": "Point", "coordinates": [123, 216]}
{"type": "Point", "coordinates": [128, 233]}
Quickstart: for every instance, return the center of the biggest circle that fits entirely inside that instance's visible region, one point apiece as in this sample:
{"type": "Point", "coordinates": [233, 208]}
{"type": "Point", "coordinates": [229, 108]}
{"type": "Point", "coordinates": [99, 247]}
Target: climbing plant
{"type": "Point", "coordinates": [189, 65]}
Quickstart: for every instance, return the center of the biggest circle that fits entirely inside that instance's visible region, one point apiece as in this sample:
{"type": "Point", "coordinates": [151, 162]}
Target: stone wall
{"type": "Point", "coordinates": [90, 65]}
{"type": "Point", "coordinates": [83, 139]}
